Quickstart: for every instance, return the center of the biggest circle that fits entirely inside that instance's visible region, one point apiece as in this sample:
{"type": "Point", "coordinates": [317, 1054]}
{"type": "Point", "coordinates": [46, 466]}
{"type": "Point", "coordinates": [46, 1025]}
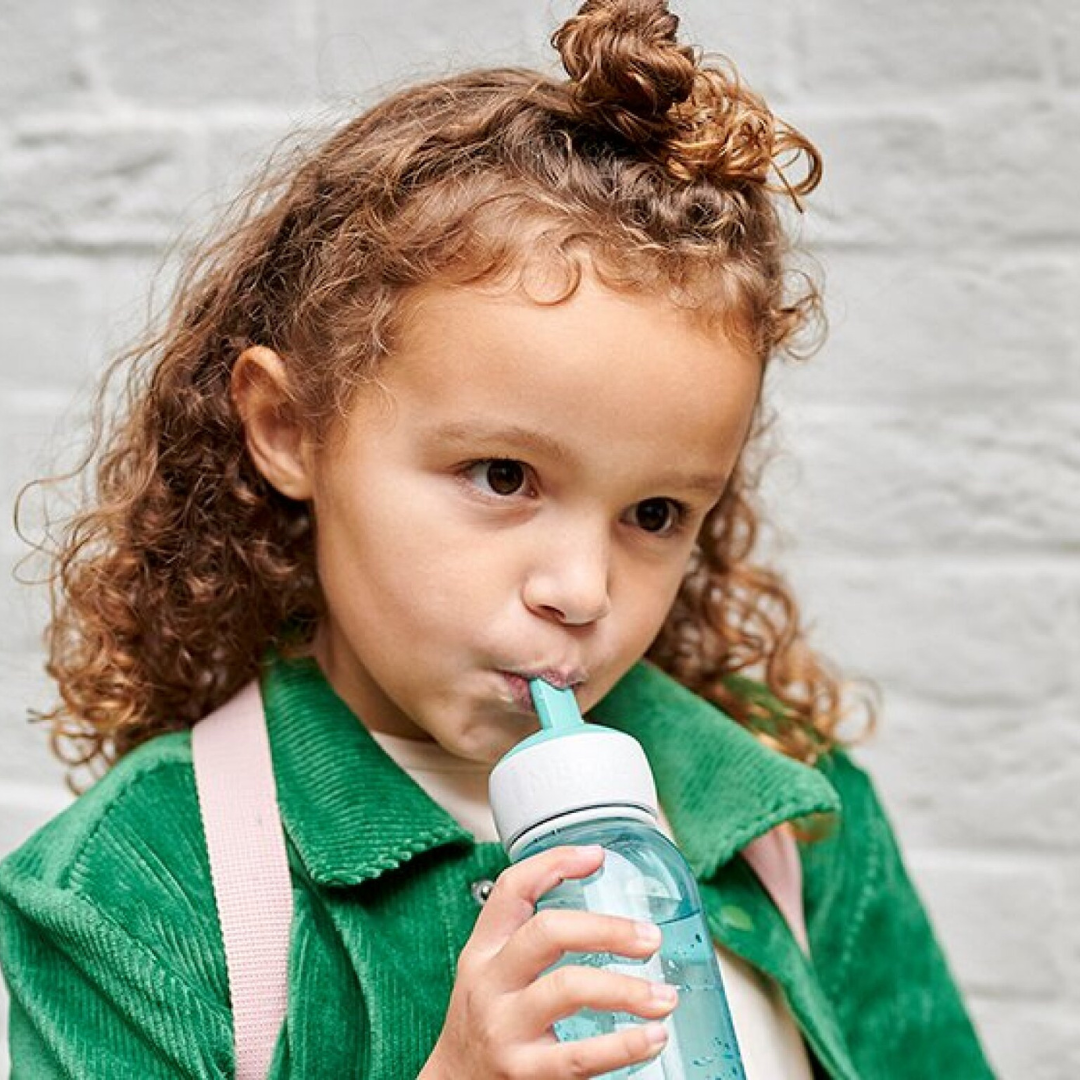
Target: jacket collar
{"type": "Point", "coordinates": [353, 814]}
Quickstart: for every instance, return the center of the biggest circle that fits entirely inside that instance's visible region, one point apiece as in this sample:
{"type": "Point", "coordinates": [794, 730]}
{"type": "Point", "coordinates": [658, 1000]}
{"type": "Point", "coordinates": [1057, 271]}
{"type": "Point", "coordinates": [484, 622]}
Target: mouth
{"type": "Point", "coordinates": [518, 683]}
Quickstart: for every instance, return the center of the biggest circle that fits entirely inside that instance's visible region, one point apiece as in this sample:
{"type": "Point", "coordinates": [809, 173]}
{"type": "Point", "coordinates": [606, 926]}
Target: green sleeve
{"type": "Point", "coordinates": [89, 1000]}
{"type": "Point", "coordinates": [109, 939]}
{"type": "Point", "coordinates": [876, 950]}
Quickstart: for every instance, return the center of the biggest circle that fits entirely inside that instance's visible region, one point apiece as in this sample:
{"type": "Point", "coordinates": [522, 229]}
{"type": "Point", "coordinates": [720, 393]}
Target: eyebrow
{"type": "Point", "coordinates": [458, 432]}
{"type": "Point", "coordinates": [515, 435]}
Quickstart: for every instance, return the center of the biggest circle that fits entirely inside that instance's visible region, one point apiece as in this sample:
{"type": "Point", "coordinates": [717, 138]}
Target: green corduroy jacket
{"type": "Point", "coordinates": [112, 950]}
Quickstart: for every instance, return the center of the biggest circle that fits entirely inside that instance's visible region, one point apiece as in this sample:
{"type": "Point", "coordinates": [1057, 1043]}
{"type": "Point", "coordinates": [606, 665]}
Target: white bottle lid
{"type": "Point", "coordinates": [569, 768]}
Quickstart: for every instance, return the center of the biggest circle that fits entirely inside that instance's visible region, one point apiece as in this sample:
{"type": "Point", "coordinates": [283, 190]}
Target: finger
{"type": "Point", "coordinates": [550, 934]}
{"type": "Point", "coordinates": [512, 902]}
{"type": "Point", "coordinates": [567, 989]}
{"type": "Point", "coordinates": [596, 1056]}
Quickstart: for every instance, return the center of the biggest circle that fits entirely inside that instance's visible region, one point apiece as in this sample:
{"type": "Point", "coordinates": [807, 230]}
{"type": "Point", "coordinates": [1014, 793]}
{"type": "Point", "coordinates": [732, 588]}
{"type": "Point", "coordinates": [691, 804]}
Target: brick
{"type": "Point", "coordinates": [367, 51]}
{"type": "Point", "coordinates": [37, 439]}
{"type": "Point", "coordinates": [130, 289]}
{"type": "Point", "coordinates": [27, 758]}
{"type": "Point", "coordinates": [24, 808]}
{"type": "Point", "coordinates": [1066, 42]}
{"type": "Point", "coordinates": [882, 180]}
{"type": "Point", "coordinates": [1071, 872]}
{"type": "Point", "coordinates": [1028, 1040]}
{"type": "Point", "coordinates": [41, 66]}
{"type": "Point", "coordinates": [25, 603]}
{"type": "Point", "coordinates": [748, 33]}
{"type": "Point", "coordinates": [999, 924]}
{"type": "Point", "coordinates": [237, 151]}
{"type": "Point", "coordinates": [956, 630]}
{"type": "Point", "coordinates": [44, 324]}
{"type": "Point", "coordinates": [931, 465]}
{"type": "Point", "coordinates": [1009, 171]}
{"type": "Point", "coordinates": [925, 330]}
{"type": "Point", "coordinates": [202, 52]}
{"type": "Point", "coordinates": [979, 778]}
{"type": "Point", "coordinates": [989, 478]}
{"type": "Point", "coordinates": [76, 188]}
{"type": "Point", "coordinates": [918, 48]}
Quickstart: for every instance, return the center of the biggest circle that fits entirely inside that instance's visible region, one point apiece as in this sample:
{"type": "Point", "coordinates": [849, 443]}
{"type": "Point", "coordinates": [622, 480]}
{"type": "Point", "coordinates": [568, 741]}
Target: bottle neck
{"type": "Point", "coordinates": [576, 817]}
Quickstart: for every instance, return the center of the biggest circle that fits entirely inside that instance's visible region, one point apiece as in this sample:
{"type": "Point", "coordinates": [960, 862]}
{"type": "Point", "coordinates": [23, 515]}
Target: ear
{"type": "Point", "coordinates": [272, 429]}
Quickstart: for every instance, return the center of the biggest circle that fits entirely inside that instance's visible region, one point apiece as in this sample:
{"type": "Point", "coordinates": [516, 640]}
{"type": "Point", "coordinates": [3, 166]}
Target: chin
{"type": "Point", "coordinates": [490, 742]}
{"type": "Point", "coordinates": [483, 754]}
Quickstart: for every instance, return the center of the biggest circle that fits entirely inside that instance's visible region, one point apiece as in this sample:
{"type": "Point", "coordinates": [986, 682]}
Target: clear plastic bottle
{"type": "Point", "coordinates": [577, 783]}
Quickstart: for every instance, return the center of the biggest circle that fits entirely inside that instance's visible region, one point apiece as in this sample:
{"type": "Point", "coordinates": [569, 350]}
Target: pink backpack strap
{"type": "Point", "coordinates": [234, 778]}
{"type": "Point", "coordinates": [774, 857]}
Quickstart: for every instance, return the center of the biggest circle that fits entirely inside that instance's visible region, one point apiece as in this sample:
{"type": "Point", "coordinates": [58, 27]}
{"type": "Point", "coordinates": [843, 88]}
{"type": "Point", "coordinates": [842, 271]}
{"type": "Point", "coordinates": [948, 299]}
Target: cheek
{"type": "Point", "coordinates": [658, 584]}
{"type": "Point", "coordinates": [646, 605]}
{"type": "Point", "coordinates": [402, 554]}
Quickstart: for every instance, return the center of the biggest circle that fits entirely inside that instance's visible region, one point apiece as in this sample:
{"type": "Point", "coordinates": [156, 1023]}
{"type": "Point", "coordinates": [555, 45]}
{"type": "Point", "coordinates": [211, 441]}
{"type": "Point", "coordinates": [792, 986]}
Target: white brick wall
{"type": "Point", "coordinates": [928, 494]}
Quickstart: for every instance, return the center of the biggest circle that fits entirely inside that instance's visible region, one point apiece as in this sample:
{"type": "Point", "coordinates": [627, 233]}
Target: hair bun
{"type": "Point", "coordinates": [625, 66]}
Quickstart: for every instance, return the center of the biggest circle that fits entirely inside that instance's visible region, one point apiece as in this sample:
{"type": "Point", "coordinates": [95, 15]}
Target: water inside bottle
{"type": "Point", "coordinates": [701, 1041]}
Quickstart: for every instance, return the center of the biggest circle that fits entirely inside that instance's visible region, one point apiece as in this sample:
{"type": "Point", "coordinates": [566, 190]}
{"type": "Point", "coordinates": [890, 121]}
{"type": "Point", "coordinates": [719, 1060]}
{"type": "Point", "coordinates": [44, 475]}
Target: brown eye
{"type": "Point", "coordinates": [656, 515]}
{"type": "Point", "coordinates": [501, 476]}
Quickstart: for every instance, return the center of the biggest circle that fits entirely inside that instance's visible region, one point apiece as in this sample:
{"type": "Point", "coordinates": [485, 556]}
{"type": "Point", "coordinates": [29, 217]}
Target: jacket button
{"type": "Point", "coordinates": [481, 890]}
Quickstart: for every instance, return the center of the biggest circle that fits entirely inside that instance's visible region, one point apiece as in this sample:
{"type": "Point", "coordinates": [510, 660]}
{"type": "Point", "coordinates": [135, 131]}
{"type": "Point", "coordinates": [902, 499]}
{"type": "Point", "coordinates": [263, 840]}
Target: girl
{"type": "Point", "coordinates": [466, 399]}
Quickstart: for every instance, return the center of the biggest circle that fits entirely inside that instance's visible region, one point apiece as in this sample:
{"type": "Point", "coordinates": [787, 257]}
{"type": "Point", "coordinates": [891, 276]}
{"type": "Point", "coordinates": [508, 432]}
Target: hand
{"type": "Point", "coordinates": [498, 1023]}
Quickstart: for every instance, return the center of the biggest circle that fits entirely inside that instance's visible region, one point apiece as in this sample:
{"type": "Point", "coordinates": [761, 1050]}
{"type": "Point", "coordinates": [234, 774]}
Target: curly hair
{"type": "Point", "coordinates": [656, 169]}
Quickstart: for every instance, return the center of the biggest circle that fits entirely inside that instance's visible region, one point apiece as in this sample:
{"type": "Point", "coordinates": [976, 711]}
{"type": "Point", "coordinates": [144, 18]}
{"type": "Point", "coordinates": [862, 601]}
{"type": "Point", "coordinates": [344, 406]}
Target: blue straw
{"type": "Point", "coordinates": [558, 709]}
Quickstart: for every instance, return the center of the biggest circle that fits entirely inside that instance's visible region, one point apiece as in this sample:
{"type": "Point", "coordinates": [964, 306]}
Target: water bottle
{"type": "Point", "coordinates": [579, 783]}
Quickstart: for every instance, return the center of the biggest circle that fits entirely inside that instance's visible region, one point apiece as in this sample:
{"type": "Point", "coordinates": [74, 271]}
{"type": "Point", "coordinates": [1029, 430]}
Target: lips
{"type": "Point", "coordinates": [519, 691]}
{"type": "Point", "coordinates": [560, 678]}
{"type": "Point", "coordinates": [518, 682]}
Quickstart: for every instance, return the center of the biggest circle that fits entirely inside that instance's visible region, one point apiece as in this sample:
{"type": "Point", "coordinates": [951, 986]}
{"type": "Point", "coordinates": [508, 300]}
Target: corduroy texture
{"type": "Point", "coordinates": [111, 946]}
{"type": "Point", "coordinates": [237, 797]}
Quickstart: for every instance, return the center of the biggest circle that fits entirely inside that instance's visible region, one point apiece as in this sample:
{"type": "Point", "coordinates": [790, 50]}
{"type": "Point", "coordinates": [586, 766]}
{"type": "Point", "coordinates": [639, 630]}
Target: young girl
{"type": "Point", "coordinates": [466, 399]}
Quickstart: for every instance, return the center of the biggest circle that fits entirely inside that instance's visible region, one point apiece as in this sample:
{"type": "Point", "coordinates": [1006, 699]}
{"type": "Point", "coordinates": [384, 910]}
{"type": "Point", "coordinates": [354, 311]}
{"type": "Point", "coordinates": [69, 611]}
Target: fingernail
{"type": "Point", "coordinates": [589, 851]}
{"type": "Point", "coordinates": [655, 1034]}
{"type": "Point", "coordinates": [648, 933]}
{"type": "Point", "coordinates": [663, 994]}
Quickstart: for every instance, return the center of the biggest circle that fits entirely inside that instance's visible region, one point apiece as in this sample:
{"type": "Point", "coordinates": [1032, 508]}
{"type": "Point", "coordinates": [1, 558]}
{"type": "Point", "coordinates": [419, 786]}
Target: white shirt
{"type": "Point", "coordinates": [769, 1040]}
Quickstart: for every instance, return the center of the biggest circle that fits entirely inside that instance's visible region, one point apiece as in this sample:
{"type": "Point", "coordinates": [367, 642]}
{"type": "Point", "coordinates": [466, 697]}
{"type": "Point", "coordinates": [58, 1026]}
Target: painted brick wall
{"type": "Point", "coordinates": [926, 490]}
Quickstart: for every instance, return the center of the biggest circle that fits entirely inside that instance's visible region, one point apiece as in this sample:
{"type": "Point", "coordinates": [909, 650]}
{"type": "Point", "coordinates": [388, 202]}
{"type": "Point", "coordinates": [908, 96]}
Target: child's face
{"type": "Point", "coordinates": [508, 506]}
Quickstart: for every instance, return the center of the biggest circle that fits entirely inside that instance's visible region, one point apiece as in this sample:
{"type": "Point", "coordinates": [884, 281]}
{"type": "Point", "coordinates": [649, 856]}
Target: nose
{"type": "Point", "coordinates": [570, 579]}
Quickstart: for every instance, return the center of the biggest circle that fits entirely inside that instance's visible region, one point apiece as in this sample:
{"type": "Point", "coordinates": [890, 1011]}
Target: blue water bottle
{"type": "Point", "coordinates": [578, 783]}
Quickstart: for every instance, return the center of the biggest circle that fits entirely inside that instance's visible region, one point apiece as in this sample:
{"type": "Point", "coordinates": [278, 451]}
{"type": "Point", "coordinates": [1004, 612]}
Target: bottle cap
{"type": "Point", "coordinates": [568, 767]}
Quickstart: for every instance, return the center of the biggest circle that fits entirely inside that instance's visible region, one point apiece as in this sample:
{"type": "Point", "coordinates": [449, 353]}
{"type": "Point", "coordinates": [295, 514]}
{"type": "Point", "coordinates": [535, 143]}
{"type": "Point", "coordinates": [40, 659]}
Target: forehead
{"type": "Point", "coordinates": [540, 305]}
{"type": "Point", "coordinates": [601, 370]}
